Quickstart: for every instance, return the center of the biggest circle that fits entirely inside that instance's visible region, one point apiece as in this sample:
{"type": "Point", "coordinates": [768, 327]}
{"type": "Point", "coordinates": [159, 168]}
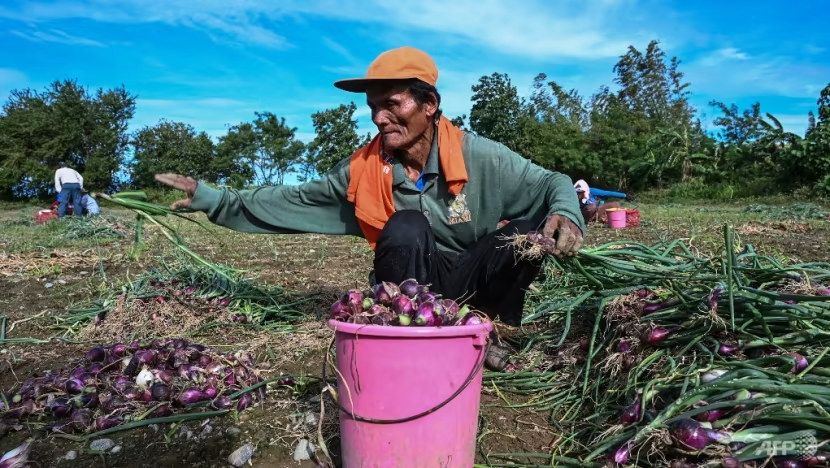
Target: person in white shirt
{"type": "Point", "coordinates": [89, 204]}
{"type": "Point", "coordinates": [68, 184]}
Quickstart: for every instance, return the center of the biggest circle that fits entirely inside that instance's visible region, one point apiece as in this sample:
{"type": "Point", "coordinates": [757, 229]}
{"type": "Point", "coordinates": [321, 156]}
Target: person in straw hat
{"type": "Point", "coordinates": [426, 196]}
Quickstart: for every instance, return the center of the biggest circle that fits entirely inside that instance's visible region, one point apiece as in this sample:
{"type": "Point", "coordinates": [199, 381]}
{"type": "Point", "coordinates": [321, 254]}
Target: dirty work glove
{"type": "Point", "coordinates": [629, 197]}
{"type": "Point", "coordinates": [567, 235]}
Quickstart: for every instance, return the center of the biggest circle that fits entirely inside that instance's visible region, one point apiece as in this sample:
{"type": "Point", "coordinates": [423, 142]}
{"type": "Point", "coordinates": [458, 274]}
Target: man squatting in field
{"type": "Point", "coordinates": [426, 196]}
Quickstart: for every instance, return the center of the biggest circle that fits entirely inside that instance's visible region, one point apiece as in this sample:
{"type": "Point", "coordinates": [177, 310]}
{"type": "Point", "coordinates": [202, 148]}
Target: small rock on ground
{"type": "Point", "coordinates": [310, 420]}
{"type": "Point", "coordinates": [233, 431]}
{"type": "Point", "coordinates": [241, 455]}
{"type": "Point", "coordinates": [303, 451]}
{"type": "Point", "coordinates": [102, 444]}
{"type": "Point", "coordinates": [71, 455]}
{"type": "Point", "coordinates": [115, 449]}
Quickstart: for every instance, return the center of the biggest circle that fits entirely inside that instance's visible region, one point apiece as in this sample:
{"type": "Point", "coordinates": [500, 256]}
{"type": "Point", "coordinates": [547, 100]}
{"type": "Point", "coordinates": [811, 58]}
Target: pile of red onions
{"type": "Point", "coordinates": [405, 304]}
{"type": "Point", "coordinates": [114, 384]}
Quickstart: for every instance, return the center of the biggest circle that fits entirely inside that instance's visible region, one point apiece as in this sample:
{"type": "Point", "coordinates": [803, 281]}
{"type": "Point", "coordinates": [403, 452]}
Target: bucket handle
{"type": "Point", "coordinates": [479, 364]}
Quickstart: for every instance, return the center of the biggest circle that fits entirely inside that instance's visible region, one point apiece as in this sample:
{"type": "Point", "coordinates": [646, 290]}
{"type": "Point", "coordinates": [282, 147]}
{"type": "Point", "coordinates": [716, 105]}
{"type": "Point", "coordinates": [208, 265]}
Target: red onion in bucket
{"type": "Point", "coordinates": [384, 292]}
{"type": "Point", "coordinates": [409, 288]}
{"type": "Point", "coordinates": [402, 305]}
{"type": "Point", "coordinates": [355, 299]}
{"type": "Point", "coordinates": [472, 319]}
{"type": "Point", "coordinates": [341, 310]}
{"type": "Point", "coordinates": [427, 297]}
{"type": "Point", "coordinates": [424, 316]}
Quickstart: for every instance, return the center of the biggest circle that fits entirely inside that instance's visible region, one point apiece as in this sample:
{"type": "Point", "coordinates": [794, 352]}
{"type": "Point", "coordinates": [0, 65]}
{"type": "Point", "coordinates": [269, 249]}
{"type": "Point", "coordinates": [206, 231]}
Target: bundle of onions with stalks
{"type": "Point", "coordinates": [405, 304]}
{"type": "Point", "coordinates": [177, 301]}
{"type": "Point", "coordinates": [722, 354]}
{"type": "Point", "coordinates": [141, 380]}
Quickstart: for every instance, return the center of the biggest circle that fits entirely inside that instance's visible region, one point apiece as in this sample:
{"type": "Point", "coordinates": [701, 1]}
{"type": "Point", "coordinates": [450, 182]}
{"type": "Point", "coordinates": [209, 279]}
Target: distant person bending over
{"type": "Point", "coordinates": [68, 184]}
{"type": "Point", "coordinates": [593, 209]}
{"type": "Point", "coordinates": [425, 195]}
{"type": "Point", "coordinates": [89, 204]}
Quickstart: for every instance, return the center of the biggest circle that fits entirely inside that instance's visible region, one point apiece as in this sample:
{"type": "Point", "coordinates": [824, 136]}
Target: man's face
{"type": "Point", "coordinates": [399, 118]}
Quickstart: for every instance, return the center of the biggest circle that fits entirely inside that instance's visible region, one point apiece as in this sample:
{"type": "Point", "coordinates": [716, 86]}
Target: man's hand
{"type": "Point", "coordinates": [186, 184]}
{"type": "Point", "coordinates": [567, 234]}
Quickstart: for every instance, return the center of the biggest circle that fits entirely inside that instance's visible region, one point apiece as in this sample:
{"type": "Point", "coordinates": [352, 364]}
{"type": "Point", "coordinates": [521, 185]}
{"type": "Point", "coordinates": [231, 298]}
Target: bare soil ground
{"type": "Point", "coordinates": [34, 257]}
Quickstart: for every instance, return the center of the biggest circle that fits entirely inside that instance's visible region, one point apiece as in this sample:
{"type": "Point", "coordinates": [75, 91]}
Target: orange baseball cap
{"type": "Point", "coordinates": [403, 63]}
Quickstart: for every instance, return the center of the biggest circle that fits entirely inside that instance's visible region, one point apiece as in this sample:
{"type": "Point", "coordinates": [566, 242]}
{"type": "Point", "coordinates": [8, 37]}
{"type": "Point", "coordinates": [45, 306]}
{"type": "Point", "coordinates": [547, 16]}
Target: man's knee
{"type": "Point", "coordinates": [519, 226]}
{"type": "Point", "coordinates": [404, 228]}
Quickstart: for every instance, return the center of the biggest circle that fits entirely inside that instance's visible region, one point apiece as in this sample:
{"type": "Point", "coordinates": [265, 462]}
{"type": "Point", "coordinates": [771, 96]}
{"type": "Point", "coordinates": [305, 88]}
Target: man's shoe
{"type": "Point", "coordinates": [498, 356]}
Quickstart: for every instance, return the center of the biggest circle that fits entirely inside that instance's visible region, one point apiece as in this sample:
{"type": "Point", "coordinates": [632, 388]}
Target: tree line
{"type": "Point", "coordinates": [643, 134]}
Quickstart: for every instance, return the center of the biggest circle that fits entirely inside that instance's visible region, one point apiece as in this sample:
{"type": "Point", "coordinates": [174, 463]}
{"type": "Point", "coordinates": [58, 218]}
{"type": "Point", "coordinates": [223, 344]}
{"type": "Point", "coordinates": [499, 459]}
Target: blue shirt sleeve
{"type": "Point", "coordinates": [606, 193]}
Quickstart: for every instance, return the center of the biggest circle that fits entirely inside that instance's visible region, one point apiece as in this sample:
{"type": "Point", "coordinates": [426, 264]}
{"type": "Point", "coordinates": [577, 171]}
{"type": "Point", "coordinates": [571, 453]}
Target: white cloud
{"type": "Point", "coordinates": [240, 29]}
{"type": "Point", "coordinates": [54, 35]}
{"type": "Point", "coordinates": [720, 56]}
{"type": "Point", "coordinates": [10, 77]}
{"type": "Point", "coordinates": [342, 51]}
{"type": "Point", "coordinates": [757, 76]}
{"type": "Point", "coordinates": [533, 28]}
{"type": "Point", "coordinates": [190, 103]}
{"type": "Point", "coordinates": [213, 115]}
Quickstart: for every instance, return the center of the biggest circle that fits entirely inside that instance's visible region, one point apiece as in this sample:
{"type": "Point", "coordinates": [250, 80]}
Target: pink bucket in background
{"type": "Point", "coordinates": [394, 375]}
{"type": "Point", "coordinates": [616, 218]}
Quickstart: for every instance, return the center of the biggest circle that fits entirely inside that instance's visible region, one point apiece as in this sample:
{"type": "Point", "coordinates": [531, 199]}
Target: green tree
{"type": "Point", "coordinates": [267, 146]}
{"type": "Point", "coordinates": [177, 147]}
{"type": "Point", "coordinates": [496, 112]}
{"type": "Point", "coordinates": [817, 155]}
{"type": "Point", "coordinates": [553, 126]}
{"type": "Point", "coordinates": [65, 122]}
{"type": "Point", "coordinates": [336, 139]}
{"type": "Point", "coordinates": [668, 138]}
{"type": "Point", "coordinates": [460, 122]}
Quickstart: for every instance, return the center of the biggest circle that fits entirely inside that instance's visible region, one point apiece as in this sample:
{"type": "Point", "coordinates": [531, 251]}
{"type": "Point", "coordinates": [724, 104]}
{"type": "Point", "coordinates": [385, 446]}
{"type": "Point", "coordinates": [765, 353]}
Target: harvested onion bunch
{"type": "Point", "coordinates": [121, 383]}
{"type": "Point", "coordinates": [405, 304]}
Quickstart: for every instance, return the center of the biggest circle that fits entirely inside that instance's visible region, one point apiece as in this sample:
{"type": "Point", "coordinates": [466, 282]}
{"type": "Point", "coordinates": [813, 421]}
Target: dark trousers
{"type": "Point", "coordinates": [488, 275]}
{"type": "Point", "coordinates": [72, 191]}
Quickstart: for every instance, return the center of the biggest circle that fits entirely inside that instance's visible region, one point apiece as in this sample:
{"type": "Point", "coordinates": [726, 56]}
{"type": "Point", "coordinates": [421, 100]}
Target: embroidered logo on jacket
{"type": "Point", "coordinates": [458, 211]}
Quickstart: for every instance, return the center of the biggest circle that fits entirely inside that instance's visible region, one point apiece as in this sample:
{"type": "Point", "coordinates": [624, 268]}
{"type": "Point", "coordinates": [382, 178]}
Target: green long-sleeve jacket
{"type": "Point", "coordinates": [502, 186]}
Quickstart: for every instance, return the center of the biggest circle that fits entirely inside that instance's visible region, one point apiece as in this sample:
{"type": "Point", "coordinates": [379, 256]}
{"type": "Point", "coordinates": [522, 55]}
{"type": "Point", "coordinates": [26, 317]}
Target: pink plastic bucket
{"type": "Point", "coordinates": [616, 218]}
{"type": "Point", "coordinates": [399, 377]}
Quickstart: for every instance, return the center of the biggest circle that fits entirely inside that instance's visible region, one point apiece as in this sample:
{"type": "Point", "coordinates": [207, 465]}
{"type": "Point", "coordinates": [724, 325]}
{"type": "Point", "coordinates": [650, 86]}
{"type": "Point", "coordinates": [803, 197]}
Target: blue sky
{"type": "Point", "coordinates": [212, 63]}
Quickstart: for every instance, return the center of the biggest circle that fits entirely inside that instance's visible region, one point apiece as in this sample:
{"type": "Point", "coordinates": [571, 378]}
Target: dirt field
{"type": "Point", "coordinates": [43, 274]}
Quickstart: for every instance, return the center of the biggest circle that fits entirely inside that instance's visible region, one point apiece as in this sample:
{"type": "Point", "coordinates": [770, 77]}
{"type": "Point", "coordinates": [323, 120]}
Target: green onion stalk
{"type": "Point", "coordinates": [652, 355]}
